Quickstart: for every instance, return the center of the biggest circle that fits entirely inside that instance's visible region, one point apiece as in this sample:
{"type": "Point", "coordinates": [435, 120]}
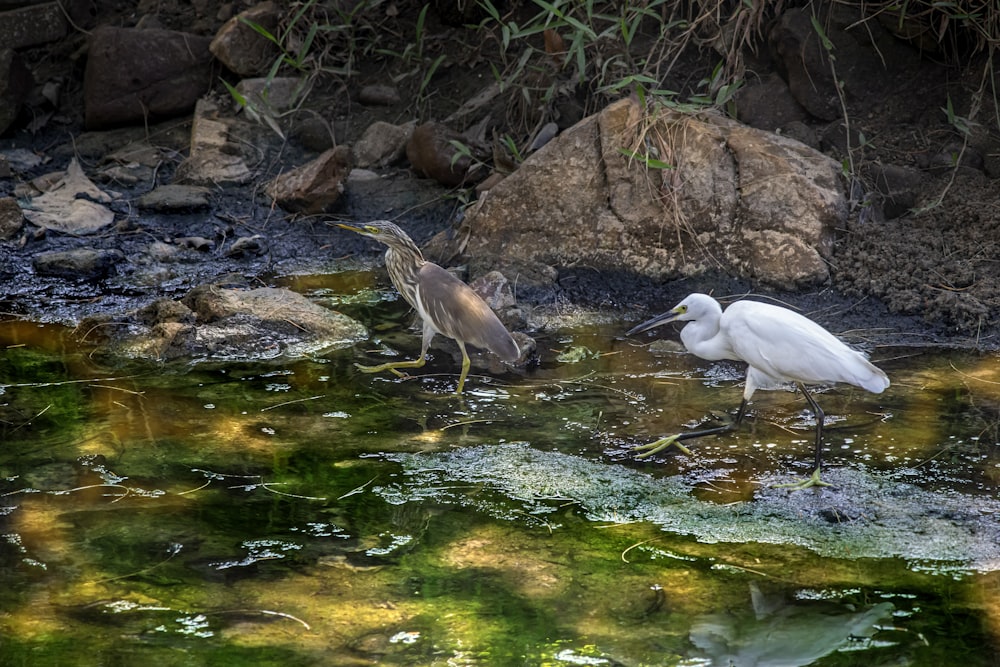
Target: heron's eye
{"type": "Point", "coordinates": [681, 310]}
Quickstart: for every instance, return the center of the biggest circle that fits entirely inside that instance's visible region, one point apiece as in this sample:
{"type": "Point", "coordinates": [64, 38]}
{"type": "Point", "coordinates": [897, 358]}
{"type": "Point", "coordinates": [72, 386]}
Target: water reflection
{"type": "Point", "coordinates": [305, 514]}
{"type": "Point", "coordinates": [778, 631]}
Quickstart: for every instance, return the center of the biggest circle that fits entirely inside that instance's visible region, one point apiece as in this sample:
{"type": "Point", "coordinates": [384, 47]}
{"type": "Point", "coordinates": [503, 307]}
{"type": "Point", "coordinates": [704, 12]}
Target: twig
{"type": "Point", "coordinates": [357, 490]}
{"type": "Point", "coordinates": [267, 486]}
{"type": "Point", "coordinates": [298, 400]}
{"type": "Point", "coordinates": [637, 544]}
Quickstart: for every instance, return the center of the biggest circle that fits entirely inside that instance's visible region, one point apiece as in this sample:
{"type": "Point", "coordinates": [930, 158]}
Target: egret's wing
{"type": "Point", "coordinates": [455, 310]}
{"type": "Point", "coordinates": [787, 347]}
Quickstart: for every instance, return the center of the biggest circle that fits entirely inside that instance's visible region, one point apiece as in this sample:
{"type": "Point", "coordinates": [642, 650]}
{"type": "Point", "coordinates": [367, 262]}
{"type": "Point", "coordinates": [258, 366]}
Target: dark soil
{"type": "Point", "coordinates": [919, 278]}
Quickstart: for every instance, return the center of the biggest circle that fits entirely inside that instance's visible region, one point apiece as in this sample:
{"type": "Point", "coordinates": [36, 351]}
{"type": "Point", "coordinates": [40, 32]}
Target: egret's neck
{"type": "Point", "coordinates": [702, 339]}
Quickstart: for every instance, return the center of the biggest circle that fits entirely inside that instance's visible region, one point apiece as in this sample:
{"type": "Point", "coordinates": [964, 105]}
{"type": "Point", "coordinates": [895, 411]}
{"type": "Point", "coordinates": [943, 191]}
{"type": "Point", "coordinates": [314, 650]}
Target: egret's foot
{"type": "Point", "coordinates": [814, 480]}
{"type": "Point", "coordinates": [659, 446]}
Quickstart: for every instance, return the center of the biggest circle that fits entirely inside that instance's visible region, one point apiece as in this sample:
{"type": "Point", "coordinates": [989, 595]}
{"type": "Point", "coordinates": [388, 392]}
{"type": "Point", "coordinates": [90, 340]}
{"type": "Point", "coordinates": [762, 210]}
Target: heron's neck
{"type": "Point", "coordinates": [403, 266]}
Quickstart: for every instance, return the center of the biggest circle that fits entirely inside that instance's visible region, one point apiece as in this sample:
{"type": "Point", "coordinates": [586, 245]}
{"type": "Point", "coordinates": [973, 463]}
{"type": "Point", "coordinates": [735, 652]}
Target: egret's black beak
{"type": "Point", "coordinates": [663, 318]}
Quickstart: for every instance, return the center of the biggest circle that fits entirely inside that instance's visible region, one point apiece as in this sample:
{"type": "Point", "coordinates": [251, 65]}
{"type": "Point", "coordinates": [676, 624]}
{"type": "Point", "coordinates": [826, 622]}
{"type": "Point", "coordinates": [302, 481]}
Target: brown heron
{"type": "Point", "coordinates": [779, 345]}
{"type": "Point", "coordinates": [445, 304]}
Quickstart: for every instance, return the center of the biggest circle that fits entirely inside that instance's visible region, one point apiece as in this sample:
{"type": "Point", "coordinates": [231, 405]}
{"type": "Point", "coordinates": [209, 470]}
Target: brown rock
{"type": "Point", "coordinates": [433, 156]}
{"type": "Point", "coordinates": [79, 263]}
{"type": "Point", "coordinates": [381, 144]}
{"type": "Point", "coordinates": [11, 218]}
{"type": "Point", "coordinates": [137, 75]}
{"type": "Point", "coordinates": [768, 105]}
{"type": "Point", "coordinates": [739, 200]}
{"type": "Point", "coordinates": [244, 50]}
{"type": "Point", "coordinates": [213, 321]}
{"type": "Point", "coordinates": [165, 310]}
{"type": "Point", "coordinates": [215, 159]}
{"type": "Point", "coordinates": [900, 188]}
{"type": "Point", "coordinates": [174, 197]}
{"type": "Point", "coordinates": [315, 186]}
{"type": "Point", "coordinates": [805, 64]}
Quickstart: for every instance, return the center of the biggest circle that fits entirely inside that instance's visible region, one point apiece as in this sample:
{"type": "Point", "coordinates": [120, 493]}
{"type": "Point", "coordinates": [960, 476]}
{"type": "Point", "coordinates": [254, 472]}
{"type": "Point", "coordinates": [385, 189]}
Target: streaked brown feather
{"type": "Point", "coordinates": [458, 312]}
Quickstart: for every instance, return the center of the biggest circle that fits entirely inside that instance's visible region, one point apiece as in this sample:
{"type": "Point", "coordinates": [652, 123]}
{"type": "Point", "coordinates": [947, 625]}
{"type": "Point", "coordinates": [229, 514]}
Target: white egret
{"type": "Point", "coordinates": [779, 346]}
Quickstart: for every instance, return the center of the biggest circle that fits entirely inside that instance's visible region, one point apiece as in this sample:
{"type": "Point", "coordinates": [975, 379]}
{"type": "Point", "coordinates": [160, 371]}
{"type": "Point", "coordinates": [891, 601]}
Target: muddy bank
{"type": "Point", "coordinates": [240, 242]}
{"type": "Point", "coordinates": [912, 264]}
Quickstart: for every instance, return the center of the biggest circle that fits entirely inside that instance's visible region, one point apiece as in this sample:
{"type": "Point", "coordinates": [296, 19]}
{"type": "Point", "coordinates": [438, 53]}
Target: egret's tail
{"type": "Point", "coordinates": [877, 382]}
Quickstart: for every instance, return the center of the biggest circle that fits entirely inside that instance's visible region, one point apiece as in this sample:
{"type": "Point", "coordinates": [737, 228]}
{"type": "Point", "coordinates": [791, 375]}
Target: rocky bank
{"type": "Point", "coordinates": [155, 157]}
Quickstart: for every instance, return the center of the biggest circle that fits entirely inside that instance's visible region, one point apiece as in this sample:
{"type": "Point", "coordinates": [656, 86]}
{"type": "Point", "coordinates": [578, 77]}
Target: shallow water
{"type": "Point", "coordinates": [308, 514]}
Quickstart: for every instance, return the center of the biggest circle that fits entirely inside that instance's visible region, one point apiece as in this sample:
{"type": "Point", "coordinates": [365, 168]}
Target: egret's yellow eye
{"type": "Point", "coordinates": [681, 310]}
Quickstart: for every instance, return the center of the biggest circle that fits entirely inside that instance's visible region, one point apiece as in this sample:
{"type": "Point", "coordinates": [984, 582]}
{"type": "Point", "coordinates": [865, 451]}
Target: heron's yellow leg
{"type": "Point", "coordinates": [392, 366]}
{"type": "Point", "coordinates": [659, 446]}
{"type": "Point", "coordinates": [813, 480]}
{"type": "Point", "coordinates": [466, 363]}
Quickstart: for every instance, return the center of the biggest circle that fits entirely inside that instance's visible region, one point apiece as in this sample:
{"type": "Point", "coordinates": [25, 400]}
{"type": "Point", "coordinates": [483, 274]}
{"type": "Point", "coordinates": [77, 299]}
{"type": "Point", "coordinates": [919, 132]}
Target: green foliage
{"type": "Point", "coordinates": [599, 51]}
{"type": "Point", "coordinates": [314, 42]}
{"type": "Point", "coordinates": [647, 159]}
{"type": "Point", "coordinates": [515, 152]}
{"type": "Point", "coordinates": [542, 53]}
{"type": "Point", "coordinates": [428, 75]}
{"type": "Point", "coordinates": [961, 125]}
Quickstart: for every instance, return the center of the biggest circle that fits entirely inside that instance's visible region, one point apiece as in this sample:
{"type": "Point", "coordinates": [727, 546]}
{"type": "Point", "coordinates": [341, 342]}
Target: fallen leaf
{"type": "Point", "coordinates": [73, 204]}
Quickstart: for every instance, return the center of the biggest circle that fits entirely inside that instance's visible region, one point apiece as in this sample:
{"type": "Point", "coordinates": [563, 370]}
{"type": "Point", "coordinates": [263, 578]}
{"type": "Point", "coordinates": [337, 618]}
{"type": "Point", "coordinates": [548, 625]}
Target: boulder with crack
{"type": "Point", "coordinates": [665, 195]}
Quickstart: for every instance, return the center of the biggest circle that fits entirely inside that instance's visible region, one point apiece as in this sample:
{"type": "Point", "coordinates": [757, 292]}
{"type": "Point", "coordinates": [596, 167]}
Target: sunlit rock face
{"type": "Point", "coordinates": [211, 322]}
{"type": "Point", "coordinates": [666, 196]}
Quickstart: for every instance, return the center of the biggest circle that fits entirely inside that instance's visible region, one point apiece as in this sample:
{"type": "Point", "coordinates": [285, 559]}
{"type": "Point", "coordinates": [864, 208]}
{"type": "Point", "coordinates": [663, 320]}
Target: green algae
{"type": "Point", "coordinates": [305, 514]}
{"type": "Point", "coordinates": [865, 514]}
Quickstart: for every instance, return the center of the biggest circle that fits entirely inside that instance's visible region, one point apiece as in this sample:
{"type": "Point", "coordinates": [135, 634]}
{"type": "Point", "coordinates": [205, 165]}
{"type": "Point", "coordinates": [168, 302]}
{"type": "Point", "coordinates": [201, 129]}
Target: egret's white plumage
{"type": "Point", "coordinates": [779, 346]}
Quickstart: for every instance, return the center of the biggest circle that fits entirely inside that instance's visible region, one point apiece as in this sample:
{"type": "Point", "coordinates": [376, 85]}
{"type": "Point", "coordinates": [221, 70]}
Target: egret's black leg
{"type": "Point", "coordinates": [814, 480]}
{"type": "Point", "coordinates": [675, 440]}
{"type": "Point", "coordinates": [820, 418]}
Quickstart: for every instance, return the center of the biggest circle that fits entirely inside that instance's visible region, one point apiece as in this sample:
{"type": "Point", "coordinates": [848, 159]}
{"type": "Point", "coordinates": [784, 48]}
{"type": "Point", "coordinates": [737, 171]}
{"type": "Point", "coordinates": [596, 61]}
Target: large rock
{"type": "Point", "coordinates": [740, 200]}
{"type": "Point", "coordinates": [212, 322]}
{"type": "Point", "coordinates": [138, 75]}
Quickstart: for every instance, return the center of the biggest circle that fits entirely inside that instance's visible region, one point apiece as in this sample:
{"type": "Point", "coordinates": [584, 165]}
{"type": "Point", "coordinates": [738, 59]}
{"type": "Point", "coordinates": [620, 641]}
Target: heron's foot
{"type": "Point", "coordinates": [659, 446]}
{"type": "Point", "coordinates": [813, 480]}
{"type": "Point", "coordinates": [391, 366]}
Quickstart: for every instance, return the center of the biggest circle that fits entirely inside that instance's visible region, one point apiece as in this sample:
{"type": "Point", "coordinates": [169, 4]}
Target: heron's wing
{"type": "Point", "coordinates": [784, 346]}
{"type": "Point", "coordinates": [456, 311]}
